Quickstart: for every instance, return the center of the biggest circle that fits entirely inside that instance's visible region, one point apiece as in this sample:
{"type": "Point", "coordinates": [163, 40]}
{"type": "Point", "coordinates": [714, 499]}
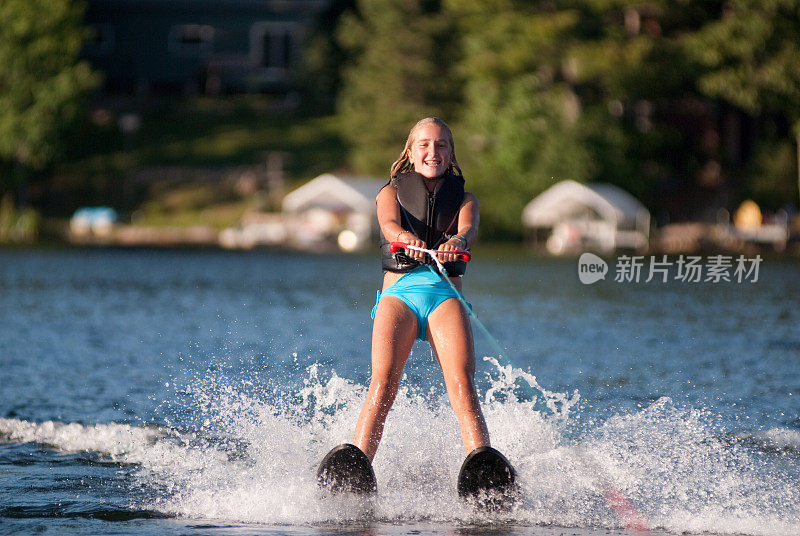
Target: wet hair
{"type": "Point", "coordinates": [403, 164]}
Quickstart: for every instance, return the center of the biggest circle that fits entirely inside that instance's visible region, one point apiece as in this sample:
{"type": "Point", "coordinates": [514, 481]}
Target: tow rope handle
{"type": "Point", "coordinates": [463, 255]}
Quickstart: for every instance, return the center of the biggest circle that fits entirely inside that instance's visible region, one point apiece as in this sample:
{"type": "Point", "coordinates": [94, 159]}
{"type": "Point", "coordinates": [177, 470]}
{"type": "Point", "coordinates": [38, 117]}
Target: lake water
{"type": "Point", "coordinates": [193, 392]}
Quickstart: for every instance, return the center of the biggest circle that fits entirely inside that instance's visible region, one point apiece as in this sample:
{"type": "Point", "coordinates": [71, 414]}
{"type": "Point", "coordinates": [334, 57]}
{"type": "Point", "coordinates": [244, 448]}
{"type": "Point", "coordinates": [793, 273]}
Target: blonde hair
{"type": "Point", "coordinates": [403, 164]}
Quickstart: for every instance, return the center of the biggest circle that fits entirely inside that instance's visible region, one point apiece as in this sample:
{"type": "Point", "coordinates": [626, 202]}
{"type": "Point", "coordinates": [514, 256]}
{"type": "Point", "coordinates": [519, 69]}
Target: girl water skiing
{"type": "Point", "coordinates": [424, 206]}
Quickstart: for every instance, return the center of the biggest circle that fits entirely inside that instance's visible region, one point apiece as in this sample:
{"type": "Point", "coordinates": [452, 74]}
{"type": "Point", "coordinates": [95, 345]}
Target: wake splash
{"type": "Point", "coordinates": [251, 457]}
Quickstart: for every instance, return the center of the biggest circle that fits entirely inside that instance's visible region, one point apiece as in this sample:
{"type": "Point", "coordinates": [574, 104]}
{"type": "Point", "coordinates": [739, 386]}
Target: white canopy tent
{"type": "Point", "coordinates": [333, 208]}
{"type": "Point", "coordinates": [574, 217]}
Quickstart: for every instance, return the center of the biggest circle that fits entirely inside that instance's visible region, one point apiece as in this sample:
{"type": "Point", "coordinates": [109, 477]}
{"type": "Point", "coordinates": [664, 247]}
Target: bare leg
{"type": "Point", "coordinates": [450, 336]}
{"type": "Point", "coordinates": [393, 334]}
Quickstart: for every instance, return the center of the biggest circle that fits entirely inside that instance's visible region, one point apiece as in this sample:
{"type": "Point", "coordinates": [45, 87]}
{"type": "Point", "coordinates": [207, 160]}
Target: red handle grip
{"type": "Point", "coordinates": [465, 256]}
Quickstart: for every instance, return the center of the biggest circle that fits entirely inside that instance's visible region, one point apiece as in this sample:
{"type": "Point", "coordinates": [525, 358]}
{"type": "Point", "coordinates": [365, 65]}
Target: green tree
{"type": "Point", "coordinates": [42, 82]}
{"type": "Point", "coordinates": [582, 89]}
{"type": "Point", "coordinates": [647, 126]}
{"type": "Point", "coordinates": [751, 54]}
{"type": "Point", "coordinates": [402, 71]}
{"type": "Point", "coordinates": [320, 77]}
{"type": "Point", "coordinates": [520, 118]}
{"type": "Point", "coordinates": [589, 90]}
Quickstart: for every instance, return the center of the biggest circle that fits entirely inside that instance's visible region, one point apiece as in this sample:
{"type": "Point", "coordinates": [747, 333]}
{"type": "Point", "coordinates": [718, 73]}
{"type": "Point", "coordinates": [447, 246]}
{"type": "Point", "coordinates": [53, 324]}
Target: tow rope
{"type": "Point", "coordinates": [615, 498]}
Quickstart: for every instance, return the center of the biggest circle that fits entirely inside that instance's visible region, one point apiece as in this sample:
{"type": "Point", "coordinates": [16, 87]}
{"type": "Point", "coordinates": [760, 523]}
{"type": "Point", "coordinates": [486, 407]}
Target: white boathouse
{"type": "Point", "coordinates": [571, 217]}
{"type": "Point", "coordinates": [332, 209]}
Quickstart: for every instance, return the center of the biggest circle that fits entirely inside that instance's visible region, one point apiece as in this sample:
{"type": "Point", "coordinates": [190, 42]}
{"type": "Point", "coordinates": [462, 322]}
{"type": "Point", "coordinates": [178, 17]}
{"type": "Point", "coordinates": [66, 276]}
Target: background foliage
{"type": "Point", "coordinates": [692, 106]}
{"type": "Point", "coordinates": [685, 104]}
{"type": "Point", "coordinates": [41, 83]}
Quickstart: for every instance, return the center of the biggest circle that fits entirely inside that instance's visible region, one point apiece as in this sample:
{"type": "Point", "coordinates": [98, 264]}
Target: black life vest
{"type": "Point", "coordinates": [430, 216]}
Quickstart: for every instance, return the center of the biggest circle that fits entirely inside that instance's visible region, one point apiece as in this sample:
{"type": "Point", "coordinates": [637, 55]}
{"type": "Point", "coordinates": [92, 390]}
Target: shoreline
{"type": "Point", "coordinates": [670, 240]}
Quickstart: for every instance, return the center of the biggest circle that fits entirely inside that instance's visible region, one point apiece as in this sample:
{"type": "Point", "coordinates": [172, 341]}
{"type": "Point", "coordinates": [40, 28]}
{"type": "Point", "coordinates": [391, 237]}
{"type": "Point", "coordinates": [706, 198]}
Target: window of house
{"type": "Point", "coordinates": [272, 45]}
{"type": "Point", "coordinates": [191, 39]}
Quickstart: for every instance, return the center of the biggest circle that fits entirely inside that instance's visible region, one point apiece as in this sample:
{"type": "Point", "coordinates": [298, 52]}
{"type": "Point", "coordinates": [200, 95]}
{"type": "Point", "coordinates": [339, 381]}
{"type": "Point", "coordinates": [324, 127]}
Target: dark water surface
{"type": "Point", "coordinates": [193, 392]}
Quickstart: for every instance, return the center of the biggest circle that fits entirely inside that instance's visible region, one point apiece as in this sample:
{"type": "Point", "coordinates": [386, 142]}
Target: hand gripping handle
{"type": "Point", "coordinates": [465, 256]}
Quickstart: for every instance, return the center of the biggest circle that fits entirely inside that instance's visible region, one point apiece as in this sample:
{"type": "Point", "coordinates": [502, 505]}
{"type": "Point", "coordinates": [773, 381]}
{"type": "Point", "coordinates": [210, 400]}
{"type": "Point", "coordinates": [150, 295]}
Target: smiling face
{"type": "Point", "coordinates": [431, 151]}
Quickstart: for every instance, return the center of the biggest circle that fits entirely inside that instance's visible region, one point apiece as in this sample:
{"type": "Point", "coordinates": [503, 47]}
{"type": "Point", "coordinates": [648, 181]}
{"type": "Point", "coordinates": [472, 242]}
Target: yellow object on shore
{"type": "Point", "coordinates": [747, 216]}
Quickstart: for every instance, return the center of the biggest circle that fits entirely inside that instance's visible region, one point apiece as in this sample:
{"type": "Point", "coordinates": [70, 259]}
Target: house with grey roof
{"type": "Point", "coordinates": [201, 46]}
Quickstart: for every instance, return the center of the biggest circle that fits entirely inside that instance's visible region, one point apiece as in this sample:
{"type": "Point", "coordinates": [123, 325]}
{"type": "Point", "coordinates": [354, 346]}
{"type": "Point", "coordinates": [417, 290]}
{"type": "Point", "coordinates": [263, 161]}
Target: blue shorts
{"type": "Point", "coordinates": [422, 291]}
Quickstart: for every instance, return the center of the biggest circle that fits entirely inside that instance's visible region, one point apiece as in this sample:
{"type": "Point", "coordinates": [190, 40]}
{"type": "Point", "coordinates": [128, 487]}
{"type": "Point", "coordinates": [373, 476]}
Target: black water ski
{"type": "Point", "coordinates": [346, 469]}
{"type": "Point", "coordinates": [487, 479]}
